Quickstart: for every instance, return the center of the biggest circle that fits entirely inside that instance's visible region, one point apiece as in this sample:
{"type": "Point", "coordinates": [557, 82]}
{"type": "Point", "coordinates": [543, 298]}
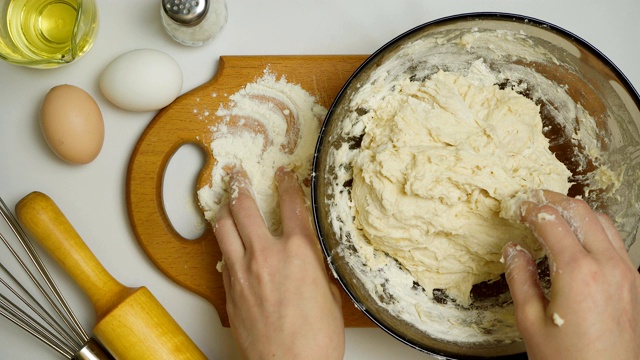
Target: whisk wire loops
{"type": "Point", "coordinates": [58, 327]}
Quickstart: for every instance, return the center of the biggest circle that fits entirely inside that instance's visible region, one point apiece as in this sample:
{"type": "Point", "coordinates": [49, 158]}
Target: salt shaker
{"type": "Point", "coordinates": [193, 22]}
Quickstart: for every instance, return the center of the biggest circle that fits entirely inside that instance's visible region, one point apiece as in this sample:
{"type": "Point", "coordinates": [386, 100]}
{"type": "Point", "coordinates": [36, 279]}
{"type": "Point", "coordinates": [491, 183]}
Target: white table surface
{"type": "Point", "coordinates": [93, 196]}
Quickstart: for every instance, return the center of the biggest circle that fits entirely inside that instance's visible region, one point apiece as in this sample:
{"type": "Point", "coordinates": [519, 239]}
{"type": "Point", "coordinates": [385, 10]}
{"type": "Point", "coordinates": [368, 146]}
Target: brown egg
{"type": "Point", "coordinates": [72, 124]}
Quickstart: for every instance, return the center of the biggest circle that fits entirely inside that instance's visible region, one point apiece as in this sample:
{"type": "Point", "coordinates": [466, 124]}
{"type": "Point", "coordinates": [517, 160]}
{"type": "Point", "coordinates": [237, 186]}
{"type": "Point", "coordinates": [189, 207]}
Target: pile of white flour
{"type": "Point", "coordinates": [268, 124]}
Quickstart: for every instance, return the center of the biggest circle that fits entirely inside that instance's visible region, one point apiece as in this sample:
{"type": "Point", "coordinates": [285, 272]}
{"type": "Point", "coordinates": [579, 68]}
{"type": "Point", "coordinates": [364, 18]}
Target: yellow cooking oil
{"type": "Point", "coordinates": [47, 29]}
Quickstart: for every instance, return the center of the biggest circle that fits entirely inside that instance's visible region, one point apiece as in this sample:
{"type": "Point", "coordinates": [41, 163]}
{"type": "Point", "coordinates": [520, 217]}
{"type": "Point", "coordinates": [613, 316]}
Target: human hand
{"type": "Point", "coordinates": [593, 311]}
{"type": "Point", "coordinates": [280, 302]}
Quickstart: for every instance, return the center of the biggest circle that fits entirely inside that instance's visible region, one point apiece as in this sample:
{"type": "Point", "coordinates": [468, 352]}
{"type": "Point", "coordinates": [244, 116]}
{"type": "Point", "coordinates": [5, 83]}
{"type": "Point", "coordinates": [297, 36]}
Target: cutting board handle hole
{"type": "Point", "coordinates": [178, 195]}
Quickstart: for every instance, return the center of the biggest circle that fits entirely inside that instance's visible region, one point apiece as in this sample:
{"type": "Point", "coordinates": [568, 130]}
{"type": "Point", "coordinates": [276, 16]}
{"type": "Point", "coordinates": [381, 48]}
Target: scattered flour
{"type": "Point", "coordinates": [268, 124]}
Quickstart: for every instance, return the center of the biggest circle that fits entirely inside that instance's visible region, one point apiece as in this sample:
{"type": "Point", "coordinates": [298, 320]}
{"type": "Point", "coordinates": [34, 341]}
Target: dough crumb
{"type": "Point", "coordinates": [511, 251]}
{"type": "Point", "coordinates": [546, 217]}
{"type": "Point", "coordinates": [220, 265]}
{"type": "Point", "coordinates": [557, 319]}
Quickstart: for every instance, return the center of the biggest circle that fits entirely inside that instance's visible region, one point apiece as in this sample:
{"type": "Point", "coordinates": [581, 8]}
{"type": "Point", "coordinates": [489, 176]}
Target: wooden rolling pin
{"type": "Point", "coordinates": [131, 323]}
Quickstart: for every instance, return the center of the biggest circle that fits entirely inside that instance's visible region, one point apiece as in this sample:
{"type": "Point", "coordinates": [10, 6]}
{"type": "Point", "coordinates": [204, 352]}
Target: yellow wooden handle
{"type": "Point", "coordinates": [46, 223]}
{"type": "Point", "coordinates": [141, 329]}
{"type": "Point", "coordinates": [131, 324]}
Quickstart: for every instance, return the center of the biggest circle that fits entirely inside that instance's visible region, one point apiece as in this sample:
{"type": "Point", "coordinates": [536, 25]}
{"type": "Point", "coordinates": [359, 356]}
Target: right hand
{"type": "Point", "coordinates": [280, 301]}
{"type": "Point", "coordinates": [595, 293]}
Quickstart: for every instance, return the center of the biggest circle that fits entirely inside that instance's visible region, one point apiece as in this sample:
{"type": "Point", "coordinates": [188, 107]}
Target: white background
{"type": "Point", "coordinates": [93, 195]}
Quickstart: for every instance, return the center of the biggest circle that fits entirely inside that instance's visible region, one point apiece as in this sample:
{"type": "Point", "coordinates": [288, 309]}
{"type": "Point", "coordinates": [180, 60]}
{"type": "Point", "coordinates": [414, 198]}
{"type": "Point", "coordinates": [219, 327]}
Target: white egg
{"type": "Point", "coordinates": [142, 80]}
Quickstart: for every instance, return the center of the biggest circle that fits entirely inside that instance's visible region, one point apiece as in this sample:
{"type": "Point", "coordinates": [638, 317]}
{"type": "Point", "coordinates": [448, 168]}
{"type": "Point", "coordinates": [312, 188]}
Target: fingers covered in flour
{"type": "Point", "coordinates": [568, 228]}
{"type": "Point", "coordinates": [552, 231]}
{"type": "Point", "coordinates": [245, 211]}
{"type": "Point", "coordinates": [229, 240]}
{"type": "Point", "coordinates": [583, 221]}
{"type": "Point", "coordinates": [614, 236]}
{"type": "Point", "coordinates": [522, 278]}
{"type": "Point", "coordinates": [593, 307]}
{"type": "Point", "coordinates": [295, 216]}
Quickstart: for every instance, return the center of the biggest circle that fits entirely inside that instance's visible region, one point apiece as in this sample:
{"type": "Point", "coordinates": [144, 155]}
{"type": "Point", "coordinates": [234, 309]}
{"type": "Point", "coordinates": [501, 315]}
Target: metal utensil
{"type": "Point", "coordinates": [41, 309]}
{"type": "Point", "coordinates": [131, 322]}
{"type": "Point", "coordinates": [186, 12]}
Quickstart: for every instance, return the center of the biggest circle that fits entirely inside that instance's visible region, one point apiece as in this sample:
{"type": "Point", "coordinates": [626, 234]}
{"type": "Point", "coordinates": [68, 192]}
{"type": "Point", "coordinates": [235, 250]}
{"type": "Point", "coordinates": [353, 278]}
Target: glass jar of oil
{"type": "Point", "coordinates": [46, 33]}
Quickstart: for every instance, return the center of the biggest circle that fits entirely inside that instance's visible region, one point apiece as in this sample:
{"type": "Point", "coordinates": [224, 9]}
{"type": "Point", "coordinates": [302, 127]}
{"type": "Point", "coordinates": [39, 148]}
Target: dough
{"type": "Point", "coordinates": [439, 160]}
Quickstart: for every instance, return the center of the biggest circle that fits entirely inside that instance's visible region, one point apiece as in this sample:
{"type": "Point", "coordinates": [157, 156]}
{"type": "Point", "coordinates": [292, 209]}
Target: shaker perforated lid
{"type": "Point", "coordinates": [186, 12]}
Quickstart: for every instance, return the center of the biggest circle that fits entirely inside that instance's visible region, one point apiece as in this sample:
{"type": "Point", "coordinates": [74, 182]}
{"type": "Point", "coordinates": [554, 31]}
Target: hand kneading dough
{"type": "Point", "coordinates": [438, 160]}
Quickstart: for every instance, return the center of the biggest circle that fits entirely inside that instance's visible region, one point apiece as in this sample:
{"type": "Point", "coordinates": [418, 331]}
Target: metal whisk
{"type": "Point", "coordinates": [44, 313]}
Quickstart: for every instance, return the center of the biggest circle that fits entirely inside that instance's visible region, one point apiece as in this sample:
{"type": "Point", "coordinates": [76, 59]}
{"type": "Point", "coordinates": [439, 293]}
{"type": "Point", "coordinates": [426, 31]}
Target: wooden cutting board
{"type": "Point", "coordinates": [192, 263]}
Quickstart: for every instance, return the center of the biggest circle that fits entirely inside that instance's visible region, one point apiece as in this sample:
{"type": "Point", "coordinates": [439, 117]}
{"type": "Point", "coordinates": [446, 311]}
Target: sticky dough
{"type": "Point", "coordinates": [440, 159]}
